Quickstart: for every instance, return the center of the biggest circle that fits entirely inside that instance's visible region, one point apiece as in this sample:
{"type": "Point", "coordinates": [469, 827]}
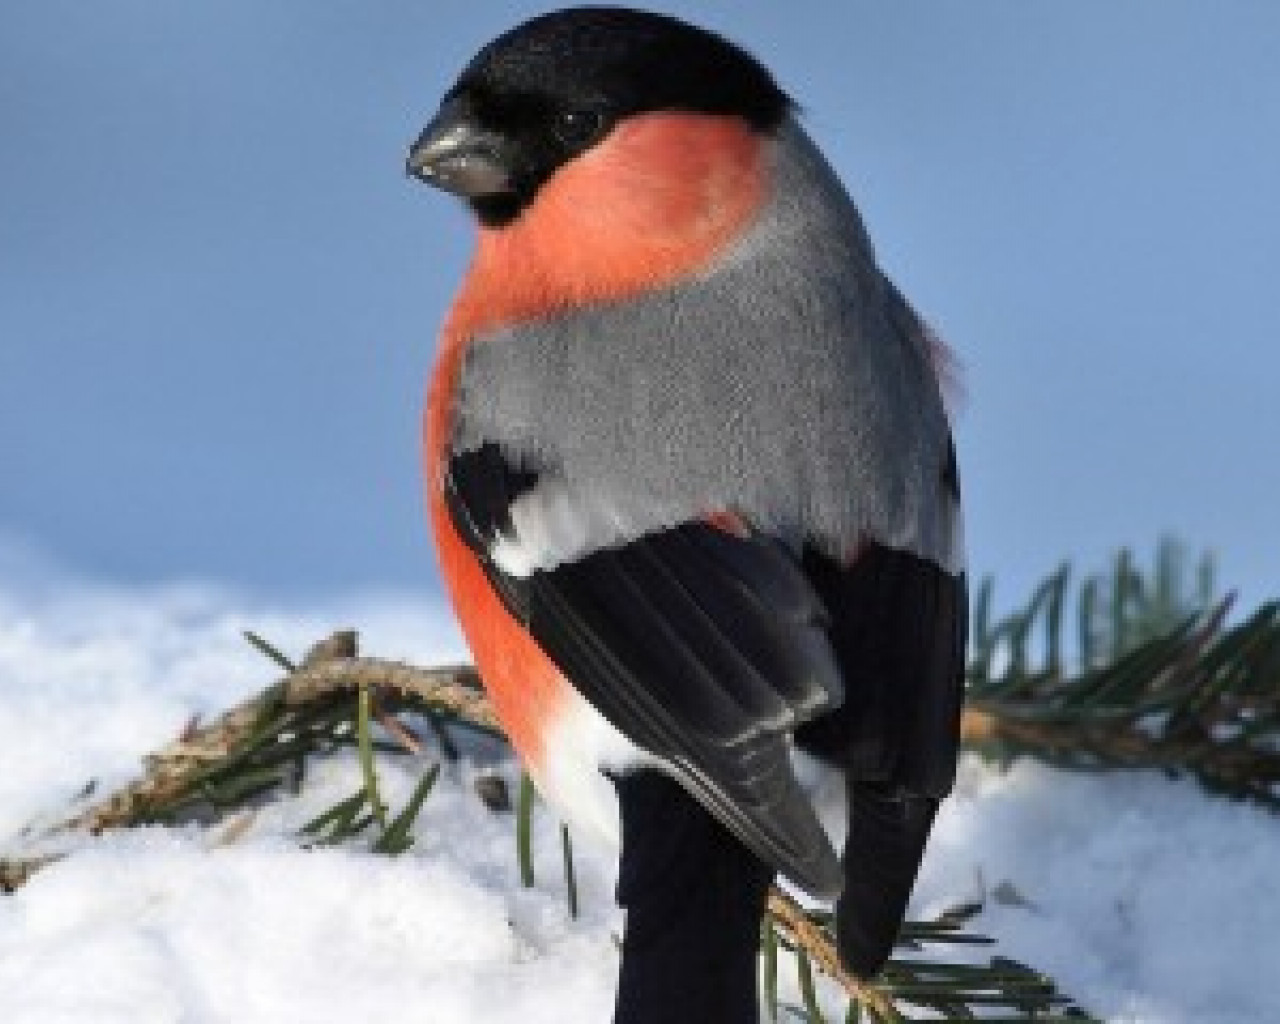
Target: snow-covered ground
{"type": "Point", "coordinates": [1147, 900]}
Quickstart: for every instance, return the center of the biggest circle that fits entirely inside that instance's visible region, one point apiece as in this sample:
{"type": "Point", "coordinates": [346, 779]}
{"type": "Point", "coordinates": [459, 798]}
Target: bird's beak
{"type": "Point", "coordinates": [456, 153]}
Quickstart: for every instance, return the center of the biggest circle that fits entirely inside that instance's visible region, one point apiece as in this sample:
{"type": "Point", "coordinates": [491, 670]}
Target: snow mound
{"type": "Point", "coordinates": [1147, 900]}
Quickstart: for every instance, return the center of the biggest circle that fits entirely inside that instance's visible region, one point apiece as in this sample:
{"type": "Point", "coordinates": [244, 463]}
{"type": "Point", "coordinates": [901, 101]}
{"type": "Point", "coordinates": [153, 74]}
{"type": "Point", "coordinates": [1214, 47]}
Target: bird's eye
{"type": "Point", "coordinates": [579, 128]}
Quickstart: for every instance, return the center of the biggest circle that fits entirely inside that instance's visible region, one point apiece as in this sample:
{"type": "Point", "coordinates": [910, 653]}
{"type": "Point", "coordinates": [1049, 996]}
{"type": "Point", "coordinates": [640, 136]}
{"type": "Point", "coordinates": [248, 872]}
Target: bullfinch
{"type": "Point", "coordinates": [693, 489]}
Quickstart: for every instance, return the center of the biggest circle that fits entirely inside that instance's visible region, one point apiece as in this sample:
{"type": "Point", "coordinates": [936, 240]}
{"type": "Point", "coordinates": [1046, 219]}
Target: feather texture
{"type": "Point", "coordinates": [703, 648]}
{"type": "Point", "coordinates": [789, 382]}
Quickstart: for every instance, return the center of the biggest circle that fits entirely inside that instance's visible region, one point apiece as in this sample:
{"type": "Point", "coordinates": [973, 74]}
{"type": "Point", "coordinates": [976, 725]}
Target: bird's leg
{"type": "Point", "coordinates": [694, 897]}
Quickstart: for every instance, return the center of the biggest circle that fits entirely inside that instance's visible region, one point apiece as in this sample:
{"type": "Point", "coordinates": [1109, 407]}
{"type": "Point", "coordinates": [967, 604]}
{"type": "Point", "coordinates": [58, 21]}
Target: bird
{"type": "Point", "coordinates": [693, 488]}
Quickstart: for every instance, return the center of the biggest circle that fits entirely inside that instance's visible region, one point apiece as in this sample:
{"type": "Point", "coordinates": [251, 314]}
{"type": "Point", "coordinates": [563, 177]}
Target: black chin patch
{"type": "Point", "coordinates": [499, 211]}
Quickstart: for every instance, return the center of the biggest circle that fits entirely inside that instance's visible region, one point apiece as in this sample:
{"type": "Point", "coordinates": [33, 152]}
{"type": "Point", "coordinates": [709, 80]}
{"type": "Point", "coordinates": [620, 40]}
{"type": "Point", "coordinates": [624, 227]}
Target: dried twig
{"type": "Point", "coordinates": [171, 772]}
{"type": "Point", "coordinates": [790, 918]}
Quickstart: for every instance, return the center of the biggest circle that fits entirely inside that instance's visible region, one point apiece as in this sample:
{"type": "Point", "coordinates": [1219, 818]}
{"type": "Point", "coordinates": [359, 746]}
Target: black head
{"type": "Point", "coordinates": [548, 90]}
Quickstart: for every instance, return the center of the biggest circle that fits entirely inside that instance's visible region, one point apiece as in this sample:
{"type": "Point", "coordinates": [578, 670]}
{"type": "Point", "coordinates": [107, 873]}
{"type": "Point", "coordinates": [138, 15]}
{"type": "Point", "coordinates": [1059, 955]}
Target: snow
{"type": "Point", "coordinates": [1149, 901]}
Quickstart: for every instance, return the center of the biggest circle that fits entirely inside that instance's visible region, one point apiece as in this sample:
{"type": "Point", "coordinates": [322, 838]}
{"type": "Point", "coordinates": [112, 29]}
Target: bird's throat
{"type": "Point", "coordinates": [653, 203]}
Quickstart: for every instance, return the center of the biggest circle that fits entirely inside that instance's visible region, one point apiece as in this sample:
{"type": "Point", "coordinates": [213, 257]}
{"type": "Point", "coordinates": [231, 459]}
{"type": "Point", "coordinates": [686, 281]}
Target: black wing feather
{"type": "Point", "coordinates": [704, 648]}
{"type": "Point", "coordinates": [651, 658]}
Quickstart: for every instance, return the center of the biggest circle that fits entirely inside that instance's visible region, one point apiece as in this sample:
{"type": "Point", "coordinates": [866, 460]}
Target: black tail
{"type": "Point", "coordinates": [898, 627]}
{"type": "Point", "coordinates": [887, 833]}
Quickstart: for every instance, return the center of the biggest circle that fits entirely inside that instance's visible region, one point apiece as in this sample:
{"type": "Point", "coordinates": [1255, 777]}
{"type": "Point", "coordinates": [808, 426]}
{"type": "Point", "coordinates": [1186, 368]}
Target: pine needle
{"type": "Point", "coordinates": [570, 878]}
{"type": "Point", "coordinates": [367, 770]}
{"type": "Point", "coordinates": [269, 650]}
{"type": "Point", "coordinates": [769, 966]}
{"type": "Point", "coordinates": [397, 837]}
{"type": "Point", "coordinates": [807, 992]}
{"type": "Point", "coordinates": [524, 830]}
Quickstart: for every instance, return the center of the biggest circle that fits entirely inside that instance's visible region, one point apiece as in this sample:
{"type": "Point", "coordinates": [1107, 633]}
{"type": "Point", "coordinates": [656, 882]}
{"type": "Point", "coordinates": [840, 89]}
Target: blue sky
{"type": "Point", "coordinates": [219, 295]}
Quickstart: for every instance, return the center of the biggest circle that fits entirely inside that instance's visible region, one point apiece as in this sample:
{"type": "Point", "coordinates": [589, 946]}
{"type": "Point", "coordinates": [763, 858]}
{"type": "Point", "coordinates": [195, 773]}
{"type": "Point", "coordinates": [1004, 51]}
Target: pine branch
{"type": "Point", "coordinates": [259, 744]}
{"type": "Point", "coordinates": [816, 943]}
{"type": "Point", "coordinates": [957, 990]}
{"type": "Point", "coordinates": [1160, 681]}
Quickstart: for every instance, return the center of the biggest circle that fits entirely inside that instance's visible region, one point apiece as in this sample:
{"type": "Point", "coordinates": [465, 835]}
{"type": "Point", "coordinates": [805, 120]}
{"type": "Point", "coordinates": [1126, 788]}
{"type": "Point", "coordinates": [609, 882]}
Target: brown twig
{"type": "Point", "coordinates": [17, 872]}
{"type": "Point", "coordinates": [396, 729]}
{"type": "Point", "coordinates": [789, 917]}
{"type": "Point", "coordinates": [453, 689]}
